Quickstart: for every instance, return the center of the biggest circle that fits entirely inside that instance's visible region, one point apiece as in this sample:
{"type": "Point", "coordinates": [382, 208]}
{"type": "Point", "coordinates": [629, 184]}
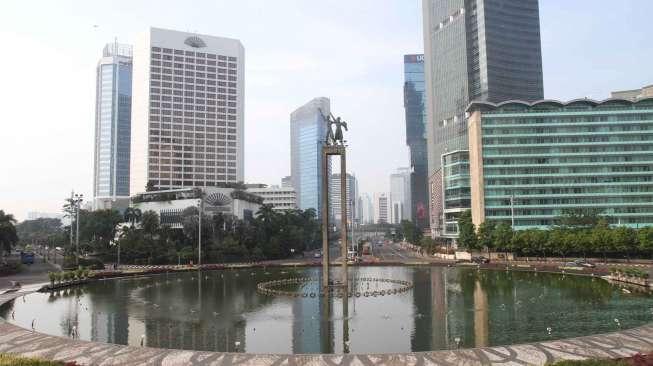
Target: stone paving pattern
{"type": "Point", "coordinates": [17, 340]}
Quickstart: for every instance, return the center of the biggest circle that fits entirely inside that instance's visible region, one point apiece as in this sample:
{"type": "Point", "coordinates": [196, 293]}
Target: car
{"type": "Point", "coordinates": [480, 259]}
{"type": "Point", "coordinates": [584, 263]}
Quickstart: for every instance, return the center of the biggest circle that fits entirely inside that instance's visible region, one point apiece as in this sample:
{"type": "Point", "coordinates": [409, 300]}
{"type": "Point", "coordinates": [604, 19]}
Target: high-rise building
{"type": "Point", "coordinates": [280, 198]}
{"type": "Point", "coordinates": [634, 94]}
{"type": "Point", "coordinates": [187, 111]}
{"type": "Point", "coordinates": [366, 209]}
{"type": "Point", "coordinates": [286, 181]}
{"type": "Point", "coordinates": [414, 105]}
{"type": "Point", "coordinates": [486, 50]}
{"type": "Point", "coordinates": [307, 134]}
{"type": "Point", "coordinates": [352, 197]}
{"type": "Point", "coordinates": [400, 196]}
{"type": "Point", "coordinates": [531, 161]}
{"type": "Point", "coordinates": [381, 208]}
{"type": "Point", "coordinates": [113, 105]}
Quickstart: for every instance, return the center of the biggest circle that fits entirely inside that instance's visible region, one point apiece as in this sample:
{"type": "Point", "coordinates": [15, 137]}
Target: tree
{"type": "Point", "coordinates": [411, 232]}
{"type": "Point", "coordinates": [467, 231]}
{"type": "Point", "coordinates": [150, 186]}
{"type": "Point", "coordinates": [8, 235]}
{"type": "Point", "coordinates": [576, 218]}
{"type": "Point", "coordinates": [132, 215]}
{"type": "Point", "coordinates": [625, 240]}
{"type": "Point", "coordinates": [485, 230]}
{"type": "Point", "coordinates": [602, 238]}
{"type": "Point", "coordinates": [150, 222]}
{"type": "Point", "coordinates": [38, 231]}
{"type": "Point", "coordinates": [645, 239]}
{"type": "Point", "coordinates": [502, 236]}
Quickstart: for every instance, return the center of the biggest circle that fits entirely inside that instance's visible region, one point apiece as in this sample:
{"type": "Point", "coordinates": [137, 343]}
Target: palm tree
{"type": "Point", "coordinates": [133, 215]}
{"type": "Point", "coordinates": [8, 236]}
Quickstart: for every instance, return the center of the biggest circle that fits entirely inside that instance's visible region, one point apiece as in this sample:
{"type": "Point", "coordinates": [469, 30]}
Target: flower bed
{"type": "Point", "coordinates": [629, 275]}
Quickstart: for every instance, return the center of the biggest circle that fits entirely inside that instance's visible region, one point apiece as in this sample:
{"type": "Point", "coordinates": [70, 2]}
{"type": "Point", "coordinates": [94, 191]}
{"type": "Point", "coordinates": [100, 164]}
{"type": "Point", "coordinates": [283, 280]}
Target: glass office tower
{"type": "Point", "coordinates": [414, 103]}
{"type": "Point", "coordinates": [307, 134]}
{"type": "Point", "coordinates": [486, 50]}
{"type": "Point", "coordinates": [528, 162]}
{"type": "Point", "coordinates": [113, 122]}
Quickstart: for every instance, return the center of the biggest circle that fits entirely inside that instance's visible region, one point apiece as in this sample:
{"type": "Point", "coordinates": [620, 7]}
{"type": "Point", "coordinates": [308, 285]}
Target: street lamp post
{"type": "Point", "coordinates": [77, 202]}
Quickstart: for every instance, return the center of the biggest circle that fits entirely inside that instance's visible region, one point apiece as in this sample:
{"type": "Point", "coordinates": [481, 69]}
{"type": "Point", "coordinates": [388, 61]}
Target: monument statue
{"type": "Point", "coordinates": [336, 138]}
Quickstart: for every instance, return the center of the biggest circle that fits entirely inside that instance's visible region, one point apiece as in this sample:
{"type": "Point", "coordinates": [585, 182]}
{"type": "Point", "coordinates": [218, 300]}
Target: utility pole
{"type": "Point", "coordinates": [70, 214]}
{"type": "Point", "coordinates": [77, 201]}
{"type": "Point", "coordinates": [512, 210]}
{"type": "Point", "coordinates": [199, 233]}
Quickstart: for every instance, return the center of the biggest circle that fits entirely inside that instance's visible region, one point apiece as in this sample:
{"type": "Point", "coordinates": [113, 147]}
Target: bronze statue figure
{"type": "Point", "coordinates": [338, 137]}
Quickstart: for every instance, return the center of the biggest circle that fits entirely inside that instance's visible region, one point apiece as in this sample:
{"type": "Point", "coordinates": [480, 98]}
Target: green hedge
{"type": "Point", "coordinates": [91, 263]}
{"type": "Point", "coordinates": [11, 360]}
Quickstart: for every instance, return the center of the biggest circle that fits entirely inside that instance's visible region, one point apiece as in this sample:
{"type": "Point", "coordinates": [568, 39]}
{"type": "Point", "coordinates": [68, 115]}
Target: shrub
{"type": "Point", "coordinates": [92, 263]}
{"type": "Point", "coordinates": [52, 276]}
{"type": "Point", "coordinates": [11, 360]}
{"type": "Point", "coordinates": [629, 272]}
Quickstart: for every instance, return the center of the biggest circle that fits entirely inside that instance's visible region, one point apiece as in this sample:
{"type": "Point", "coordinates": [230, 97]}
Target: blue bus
{"type": "Point", "coordinates": [27, 257]}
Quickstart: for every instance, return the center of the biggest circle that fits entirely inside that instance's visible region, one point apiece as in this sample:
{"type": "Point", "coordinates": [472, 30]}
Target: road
{"type": "Point", "coordinates": [31, 274]}
{"type": "Point", "coordinates": [393, 252]}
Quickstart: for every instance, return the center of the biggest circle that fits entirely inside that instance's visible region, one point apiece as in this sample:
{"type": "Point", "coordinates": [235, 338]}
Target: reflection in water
{"type": "Point", "coordinates": [221, 311]}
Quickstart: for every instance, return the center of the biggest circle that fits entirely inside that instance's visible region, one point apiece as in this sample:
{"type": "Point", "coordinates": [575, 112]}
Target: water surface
{"type": "Point", "coordinates": [222, 311]}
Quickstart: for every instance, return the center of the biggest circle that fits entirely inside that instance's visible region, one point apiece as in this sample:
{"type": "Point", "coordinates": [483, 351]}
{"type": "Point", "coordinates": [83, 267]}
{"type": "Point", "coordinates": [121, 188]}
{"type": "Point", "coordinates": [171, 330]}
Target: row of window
{"type": "Point", "coordinates": [192, 53]}
{"type": "Point", "coordinates": [191, 66]}
{"type": "Point", "coordinates": [191, 60]}
{"type": "Point", "coordinates": [187, 147]}
{"type": "Point", "coordinates": [167, 184]}
{"type": "Point", "coordinates": [196, 114]}
{"type": "Point", "coordinates": [191, 107]}
{"type": "Point", "coordinates": [177, 133]}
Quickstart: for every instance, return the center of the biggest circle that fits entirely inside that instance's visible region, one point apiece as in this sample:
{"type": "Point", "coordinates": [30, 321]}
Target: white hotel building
{"type": "Point", "coordinates": [187, 111]}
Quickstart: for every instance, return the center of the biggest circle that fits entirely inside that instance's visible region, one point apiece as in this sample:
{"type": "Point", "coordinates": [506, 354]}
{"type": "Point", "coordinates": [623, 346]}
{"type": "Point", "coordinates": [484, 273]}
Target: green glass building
{"type": "Point", "coordinates": [529, 161]}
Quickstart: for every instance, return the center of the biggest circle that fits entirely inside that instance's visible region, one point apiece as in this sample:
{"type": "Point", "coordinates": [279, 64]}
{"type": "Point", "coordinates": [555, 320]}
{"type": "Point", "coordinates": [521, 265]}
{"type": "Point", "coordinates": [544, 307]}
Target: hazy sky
{"type": "Point", "coordinates": [348, 50]}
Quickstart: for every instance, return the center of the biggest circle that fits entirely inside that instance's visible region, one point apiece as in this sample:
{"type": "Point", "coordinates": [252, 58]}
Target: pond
{"type": "Point", "coordinates": [221, 310]}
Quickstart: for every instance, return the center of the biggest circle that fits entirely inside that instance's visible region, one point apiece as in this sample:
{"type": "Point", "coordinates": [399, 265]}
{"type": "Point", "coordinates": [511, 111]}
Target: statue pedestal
{"type": "Point", "coordinates": [327, 152]}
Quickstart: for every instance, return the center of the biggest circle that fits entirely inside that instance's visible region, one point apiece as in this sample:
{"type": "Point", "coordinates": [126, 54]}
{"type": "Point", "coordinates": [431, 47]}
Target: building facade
{"type": "Point", "coordinates": [286, 181]}
{"type": "Point", "coordinates": [530, 161]}
{"type": "Point", "coordinates": [400, 196]}
{"type": "Point", "coordinates": [487, 50]}
{"type": "Point", "coordinates": [187, 111]}
{"type": "Point", "coordinates": [171, 204]}
{"type": "Point", "coordinates": [307, 134]}
{"type": "Point", "coordinates": [455, 189]}
{"type": "Point", "coordinates": [366, 209]}
{"type": "Point", "coordinates": [414, 106]}
{"type": "Point", "coordinates": [280, 198]}
{"type": "Point", "coordinates": [335, 198]}
{"type": "Point", "coordinates": [634, 94]}
{"type": "Point", "coordinates": [113, 105]}
{"type": "Point", "coordinates": [381, 208]}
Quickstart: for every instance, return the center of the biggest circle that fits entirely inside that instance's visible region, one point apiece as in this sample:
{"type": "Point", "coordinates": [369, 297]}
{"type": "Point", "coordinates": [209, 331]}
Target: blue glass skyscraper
{"type": "Point", "coordinates": [414, 103]}
{"type": "Point", "coordinates": [113, 122]}
{"type": "Point", "coordinates": [307, 133]}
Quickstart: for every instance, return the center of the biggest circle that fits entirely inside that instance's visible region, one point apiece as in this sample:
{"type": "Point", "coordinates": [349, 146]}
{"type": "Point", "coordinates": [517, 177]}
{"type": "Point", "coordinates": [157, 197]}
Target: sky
{"type": "Point", "coordinates": [348, 50]}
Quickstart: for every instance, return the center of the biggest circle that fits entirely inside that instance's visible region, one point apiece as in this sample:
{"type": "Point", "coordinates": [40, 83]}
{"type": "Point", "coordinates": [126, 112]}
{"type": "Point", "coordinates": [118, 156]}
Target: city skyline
{"type": "Point", "coordinates": [365, 83]}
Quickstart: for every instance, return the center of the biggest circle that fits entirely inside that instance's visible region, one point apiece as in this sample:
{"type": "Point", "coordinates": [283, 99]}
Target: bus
{"type": "Point", "coordinates": [27, 257]}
